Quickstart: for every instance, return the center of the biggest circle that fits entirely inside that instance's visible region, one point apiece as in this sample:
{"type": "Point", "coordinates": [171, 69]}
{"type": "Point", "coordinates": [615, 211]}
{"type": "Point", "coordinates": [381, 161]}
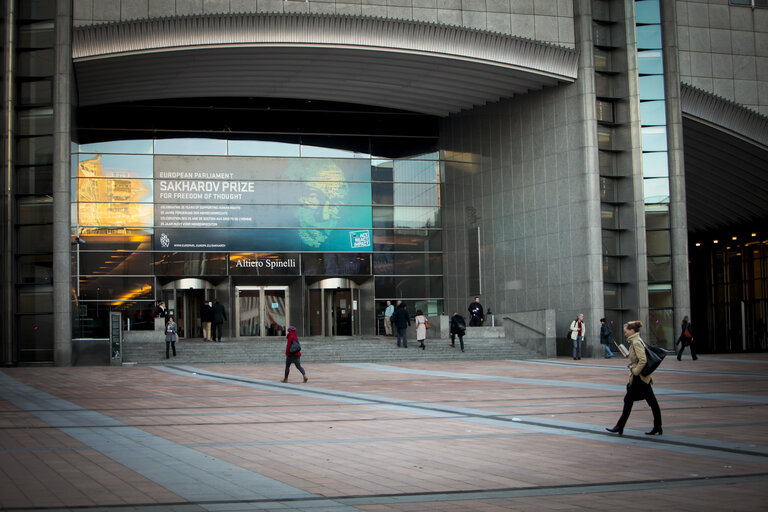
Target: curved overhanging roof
{"type": "Point", "coordinates": [420, 67]}
{"type": "Point", "coordinates": [726, 163]}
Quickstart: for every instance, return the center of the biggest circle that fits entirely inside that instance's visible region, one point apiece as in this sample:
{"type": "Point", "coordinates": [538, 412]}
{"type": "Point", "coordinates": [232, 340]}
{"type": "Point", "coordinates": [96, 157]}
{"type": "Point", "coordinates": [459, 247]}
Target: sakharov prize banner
{"type": "Point", "coordinates": [214, 203]}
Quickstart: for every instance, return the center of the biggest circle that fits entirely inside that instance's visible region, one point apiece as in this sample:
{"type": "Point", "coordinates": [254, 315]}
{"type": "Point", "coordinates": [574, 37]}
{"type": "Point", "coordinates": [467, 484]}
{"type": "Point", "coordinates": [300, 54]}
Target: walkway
{"type": "Point", "coordinates": [444, 436]}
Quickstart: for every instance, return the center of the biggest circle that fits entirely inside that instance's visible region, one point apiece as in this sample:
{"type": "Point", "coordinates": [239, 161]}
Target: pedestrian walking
{"type": "Point", "coordinates": [458, 328]}
{"type": "Point", "coordinates": [402, 321]}
{"type": "Point", "coordinates": [639, 386]}
{"type": "Point", "coordinates": [293, 354]}
{"type": "Point", "coordinates": [219, 315]}
{"type": "Point", "coordinates": [206, 319]}
{"type": "Point", "coordinates": [606, 337]}
{"type": "Point", "coordinates": [685, 339]}
{"type": "Point", "coordinates": [171, 331]}
{"type": "Point", "coordinates": [421, 328]}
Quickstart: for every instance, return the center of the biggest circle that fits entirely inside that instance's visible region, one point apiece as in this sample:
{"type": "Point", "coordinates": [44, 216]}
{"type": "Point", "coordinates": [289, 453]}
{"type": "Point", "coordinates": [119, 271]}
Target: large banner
{"type": "Point", "coordinates": [262, 204]}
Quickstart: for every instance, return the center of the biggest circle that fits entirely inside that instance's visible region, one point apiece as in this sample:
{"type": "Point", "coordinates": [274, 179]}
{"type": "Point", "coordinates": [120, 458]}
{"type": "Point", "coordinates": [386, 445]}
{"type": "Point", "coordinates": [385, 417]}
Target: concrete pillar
{"type": "Point", "coordinates": [6, 257]}
{"type": "Point", "coordinates": [677, 213]}
{"type": "Point", "coordinates": [62, 236]}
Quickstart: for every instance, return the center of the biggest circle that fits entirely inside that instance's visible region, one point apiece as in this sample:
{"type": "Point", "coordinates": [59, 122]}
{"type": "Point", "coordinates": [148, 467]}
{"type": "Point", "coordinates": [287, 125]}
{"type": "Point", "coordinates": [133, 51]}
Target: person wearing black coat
{"type": "Point", "coordinates": [458, 328]}
{"type": "Point", "coordinates": [685, 339]}
{"type": "Point", "coordinates": [219, 315]}
{"type": "Point", "coordinates": [402, 320]}
{"type": "Point", "coordinates": [476, 314]}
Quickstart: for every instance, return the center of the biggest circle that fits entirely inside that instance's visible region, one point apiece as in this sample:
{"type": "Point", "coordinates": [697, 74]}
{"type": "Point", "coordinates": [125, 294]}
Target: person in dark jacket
{"type": "Point", "coordinates": [171, 330]}
{"type": "Point", "coordinates": [458, 328]}
{"type": "Point", "coordinates": [606, 337]}
{"type": "Point", "coordinates": [476, 315]}
{"type": "Point", "coordinates": [219, 315]}
{"type": "Point", "coordinates": [401, 321]}
{"type": "Point", "coordinates": [292, 357]}
{"type": "Point", "coordinates": [685, 339]}
{"type": "Point", "coordinates": [206, 319]}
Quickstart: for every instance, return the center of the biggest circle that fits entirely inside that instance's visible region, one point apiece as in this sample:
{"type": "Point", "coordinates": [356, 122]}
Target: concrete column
{"type": "Point", "coordinates": [6, 257]}
{"type": "Point", "coordinates": [677, 213]}
{"type": "Point", "coordinates": [586, 98]}
{"type": "Point", "coordinates": [62, 236]}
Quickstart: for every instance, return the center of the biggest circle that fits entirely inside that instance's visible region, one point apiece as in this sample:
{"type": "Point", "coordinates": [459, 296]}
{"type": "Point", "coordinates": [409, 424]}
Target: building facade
{"type": "Point", "coordinates": [303, 162]}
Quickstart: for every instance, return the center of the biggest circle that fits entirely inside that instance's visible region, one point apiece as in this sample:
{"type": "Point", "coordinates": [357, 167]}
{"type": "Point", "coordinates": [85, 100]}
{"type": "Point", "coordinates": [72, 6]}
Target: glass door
{"type": "Point", "coordinates": [262, 310]}
{"type": "Point", "coordinates": [275, 316]}
{"type": "Point", "coordinates": [249, 312]}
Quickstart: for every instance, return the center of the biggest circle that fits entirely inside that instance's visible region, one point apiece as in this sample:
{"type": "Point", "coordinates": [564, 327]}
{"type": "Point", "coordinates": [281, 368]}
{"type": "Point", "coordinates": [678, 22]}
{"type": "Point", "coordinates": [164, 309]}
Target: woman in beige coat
{"type": "Point", "coordinates": [639, 386]}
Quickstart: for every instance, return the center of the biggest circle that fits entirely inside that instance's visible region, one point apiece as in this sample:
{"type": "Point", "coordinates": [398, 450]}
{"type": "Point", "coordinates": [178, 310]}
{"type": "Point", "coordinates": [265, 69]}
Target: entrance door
{"type": "Point", "coordinates": [333, 308]}
{"type": "Point", "coordinates": [184, 299]}
{"type": "Point", "coordinates": [262, 310]}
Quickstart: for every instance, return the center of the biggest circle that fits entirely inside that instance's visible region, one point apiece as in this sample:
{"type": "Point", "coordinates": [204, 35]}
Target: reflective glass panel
{"type": "Point", "coordinates": [91, 165]}
{"type": "Point", "coordinates": [611, 269]}
{"type": "Point", "coordinates": [34, 150]}
{"type": "Point", "coordinates": [114, 263]}
{"type": "Point", "coordinates": [659, 269]}
{"type": "Point", "coordinates": [611, 296]}
{"type": "Point", "coordinates": [190, 147]}
{"type": "Point", "coordinates": [656, 190]}
{"type": "Point", "coordinates": [415, 171]}
{"type": "Point", "coordinates": [654, 138]}
{"type": "Point", "coordinates": [661, 330]}
{"type": "Point", "coordinates": [263, 148]}
{"type": "Point", "coordinates": [652, 113]}
{"type": "Point", "coordinates": [660, 295]}
{"type": "Point", "coordinates": [138, 146]}
{"type": "Point", "coordinates": [115, 288]}
{"type": "Point", "coordinates": [35, 338]}
{"type": "Point", "coordinates": [651, 87]}
{"type": "Point", "coordinates": [35, 210]}
{"type": "Point", "coordinates": [657, 216]}
{"type": "Point", "coordinates": [610, 242]}
{"type": "Point", "coordinates": [658, 242]}
{"type": "Point", "coordinates": [35, 299]}
{"type": "Point", "coordinates": [249, 312]}
{"type": "Point", "coordinates": [190, 264]}
{"type": "Point", "coordinates": [33, 239]}
{"type": "Point", "coordinates": [609, 216]}
{"type": "Point", "coordinates": [649, 37]}
{"type": "Point", "coordinates": [647, 11]}
{"type": "Point", "coordinates": [36, 121]}
{"type": "Point", "coordinates": [608, 189]}
{"type": "Point", "coordinates": [35, 269]}
{"type": "Point", "coordinates": [655, 165]}
{"type": "Point", "coordinates": [649, 62]}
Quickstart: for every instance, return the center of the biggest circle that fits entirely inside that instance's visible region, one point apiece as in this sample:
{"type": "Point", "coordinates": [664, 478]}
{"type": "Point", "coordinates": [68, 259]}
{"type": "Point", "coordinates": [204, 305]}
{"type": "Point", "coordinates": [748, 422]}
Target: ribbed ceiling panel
{"type": "Point", "coordinates": [422, 67]}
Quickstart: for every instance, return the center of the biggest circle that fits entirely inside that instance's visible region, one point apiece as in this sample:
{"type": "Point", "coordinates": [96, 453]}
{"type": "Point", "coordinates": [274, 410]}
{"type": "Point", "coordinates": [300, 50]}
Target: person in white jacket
{"type": "Point", "coordinates": [421, 328]}
{"type": "Point", "coordinates": [577, 335]}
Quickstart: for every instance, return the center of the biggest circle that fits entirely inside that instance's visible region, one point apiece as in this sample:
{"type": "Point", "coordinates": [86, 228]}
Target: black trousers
{"type": "Point", "coordinates": [293, 360]}
{"type": "Point", "coordinates": [683, 344]}
{"type": "Point", "coordinates": [639, 390]}
{"type": "Point", "coordinates": [216, 331]}
{"type": "Point", "coordinates": [168, 345]}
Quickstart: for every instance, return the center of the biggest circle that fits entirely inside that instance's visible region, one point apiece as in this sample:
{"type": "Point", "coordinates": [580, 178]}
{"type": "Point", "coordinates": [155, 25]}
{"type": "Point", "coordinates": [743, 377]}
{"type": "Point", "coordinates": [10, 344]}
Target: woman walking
{"type": "Point", "coordinates": [685, 339]}
{"type": "Point", "coordinates": [170, 337]}
{"type": "Point", "coordinates": [421, 328]}
{"type": "Point", "coordinates": [293, 356]}
{"type": "Point", "coordinates": [639, 386]}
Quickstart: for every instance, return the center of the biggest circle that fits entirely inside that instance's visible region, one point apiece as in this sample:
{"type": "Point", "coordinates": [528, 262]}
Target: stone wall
{"type": "Point", "coordinates": [724, 50]}
{"type": "Point", "coordinates": [550, 21]}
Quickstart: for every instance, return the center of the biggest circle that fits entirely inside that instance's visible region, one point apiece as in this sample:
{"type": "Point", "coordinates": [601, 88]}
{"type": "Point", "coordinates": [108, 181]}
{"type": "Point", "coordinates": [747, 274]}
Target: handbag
{"type": "Point", "coordinates": [653, 357]}
{"type": "Point", "coordinates": [426, 323]}
{"type": "Point", "coordinates": [687, 333]}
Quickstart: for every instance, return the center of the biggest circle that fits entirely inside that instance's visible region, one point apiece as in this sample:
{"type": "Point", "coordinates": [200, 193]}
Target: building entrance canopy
{"type": "Point", "coordinates": [420, 67]}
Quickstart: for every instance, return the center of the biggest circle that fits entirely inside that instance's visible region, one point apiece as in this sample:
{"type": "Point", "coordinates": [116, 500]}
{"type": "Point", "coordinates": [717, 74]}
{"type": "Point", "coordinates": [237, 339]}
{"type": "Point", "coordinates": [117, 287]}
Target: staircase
{"type": "Point", "coordinates": [148, 348]}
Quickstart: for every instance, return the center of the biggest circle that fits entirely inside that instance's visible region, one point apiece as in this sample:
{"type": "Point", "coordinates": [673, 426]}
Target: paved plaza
{"type": "Point", "coordinates": [446, 436]}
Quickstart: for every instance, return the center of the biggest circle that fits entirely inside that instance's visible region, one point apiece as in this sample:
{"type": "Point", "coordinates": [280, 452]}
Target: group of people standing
{"type": "Point", "coordinates": [396, 318]}
{"type": "Point", "coordinates": [212, 314]}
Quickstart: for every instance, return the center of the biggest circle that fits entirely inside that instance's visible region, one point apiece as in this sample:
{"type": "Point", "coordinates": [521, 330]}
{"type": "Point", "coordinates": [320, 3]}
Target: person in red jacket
{"type": "Point", "coordinates": [293, 356]}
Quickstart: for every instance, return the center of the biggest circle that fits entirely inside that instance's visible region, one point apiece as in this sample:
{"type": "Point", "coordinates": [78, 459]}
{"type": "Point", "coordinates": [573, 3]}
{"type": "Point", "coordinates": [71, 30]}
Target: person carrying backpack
{"type": "Point", "coordinates": [293, 354]}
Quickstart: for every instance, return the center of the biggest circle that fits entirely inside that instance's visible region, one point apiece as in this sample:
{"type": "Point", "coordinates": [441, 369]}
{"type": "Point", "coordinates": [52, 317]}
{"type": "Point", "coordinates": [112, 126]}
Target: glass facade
{"type": "Point", "coordinates": [150, 209]}
{"type": "Point", "coordinates": [32, 210]}
{"type": "Point", "coordinates": [653, 123]}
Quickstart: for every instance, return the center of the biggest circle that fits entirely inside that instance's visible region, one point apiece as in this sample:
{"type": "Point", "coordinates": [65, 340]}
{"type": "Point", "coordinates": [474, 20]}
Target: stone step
{"type": "Point", "coordinates": [149, 350]}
